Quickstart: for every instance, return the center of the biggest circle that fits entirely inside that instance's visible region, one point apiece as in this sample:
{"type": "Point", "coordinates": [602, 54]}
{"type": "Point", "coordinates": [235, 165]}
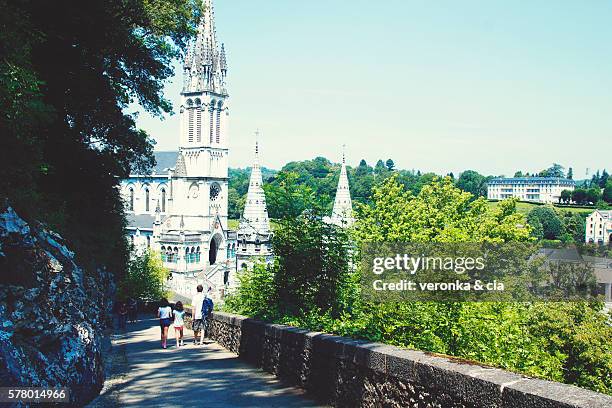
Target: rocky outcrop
{"type": "Point", "coordinates": [52, 315]}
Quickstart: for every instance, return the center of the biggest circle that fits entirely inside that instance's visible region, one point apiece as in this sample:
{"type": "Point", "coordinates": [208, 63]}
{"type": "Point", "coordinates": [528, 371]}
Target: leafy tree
{"type": "Point", "coordinates": [256, 293]}
{"type": "Point", "coordinates": [380, 167]}
{"type": "Point", "coordinates": [68, 74]}
{"type": "Point", "coordinates": [570, 173]}
{"type": "Point", "coordinates": [566, 196]}
{"type": "Point", "coordinates": [603, 180]}
{"type": "Point", "coordinates": [593, 195]}
{"type": "Point", "coordinates": [607, 193]}
{"type": "Point", "coordinates": [579, 196]}
{"type": "Point", "coordinates": [235, 203]}
{"type": "Point", "coordinates": [552, 227]}
{"type": "Point", "coordinates": [286, 198]}
{"type": "Point", "coordinates": [145, 278]}
{"type": "Point", "coordinates": [556, 170]}
{"type": "Point", "coordinates": [472, 182]}
{"type": "Point", "coordinates": [390, 164]}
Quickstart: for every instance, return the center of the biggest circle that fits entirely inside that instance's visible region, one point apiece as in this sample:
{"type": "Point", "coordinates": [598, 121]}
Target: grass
{"type": "Point", "coordinates": [233, 224]}
{"type": "Point", "coordinates": [524, 207]}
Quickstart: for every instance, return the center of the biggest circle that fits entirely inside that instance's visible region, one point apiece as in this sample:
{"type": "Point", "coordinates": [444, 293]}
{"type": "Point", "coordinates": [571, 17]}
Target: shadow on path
{"type": "Point", "coordinates": [145, 375]}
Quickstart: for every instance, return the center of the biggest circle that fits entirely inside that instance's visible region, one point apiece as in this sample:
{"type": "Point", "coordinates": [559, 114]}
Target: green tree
{"type": "Point", "coordinates": [552, 227]}
{"type": "Point", "coordinates": [579, 196]}
{"type": "Point", "coordinates": [570, 173]}
{"type": "Point", "coordinates": [566, 196]}
{"type": "Point", "coordinates": [145, 278]}
{"type": "Point", "coordinates": [593, 195]}
{"type": "Point", "coordinates": [607, 193]}
{"type": "Point", "coordinates": [556, 170]}
{"type": "Point", "coordinates": [69, 72]}
{"type": "Point", "coordinates": [256, 293]}
{"type": "Point", "coordinates": [472, 182]}
{"type": "Point", "coordinates": [390, 164]}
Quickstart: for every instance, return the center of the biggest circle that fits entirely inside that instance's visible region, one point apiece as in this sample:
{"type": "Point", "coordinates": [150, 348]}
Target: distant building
{"type": "Point", "coordinates": [598, 227]}
{"type": "Point", "coordinates": [254, 236]}
{"type": "Point", "coordinates": [535, 189]}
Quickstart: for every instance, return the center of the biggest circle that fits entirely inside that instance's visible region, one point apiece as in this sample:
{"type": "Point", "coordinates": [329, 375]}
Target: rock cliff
{"type": "Point", "coordinates": [52, 314]}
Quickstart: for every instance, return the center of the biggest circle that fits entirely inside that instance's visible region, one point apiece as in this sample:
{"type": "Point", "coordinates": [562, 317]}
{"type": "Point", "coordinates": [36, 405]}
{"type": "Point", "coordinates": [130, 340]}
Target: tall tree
{"type": "Point", "coordinates": [390, 164]}
{"type": "Point", "coordinates": [68, 74]}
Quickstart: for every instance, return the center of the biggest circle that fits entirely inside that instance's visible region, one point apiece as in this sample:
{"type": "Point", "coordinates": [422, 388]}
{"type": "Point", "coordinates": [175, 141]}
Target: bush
{"type": "Point", "coordinates": [144, 279]}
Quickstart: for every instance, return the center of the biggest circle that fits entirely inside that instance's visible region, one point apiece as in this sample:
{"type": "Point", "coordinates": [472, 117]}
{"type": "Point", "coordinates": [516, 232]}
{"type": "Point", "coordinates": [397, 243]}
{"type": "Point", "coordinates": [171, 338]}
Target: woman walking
{"type": "Point", "coordinates": [179, 315]}
{"type": "Point", "coordinates": [164, 313]}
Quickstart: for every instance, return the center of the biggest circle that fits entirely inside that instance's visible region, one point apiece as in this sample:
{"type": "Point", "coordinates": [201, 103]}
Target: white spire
{"type": "Point", "coordinates": [342, 214]}
{"type": "Point", "coordinates": [205, 66]}
{"type": "Point", "coordinates": [255, 216]}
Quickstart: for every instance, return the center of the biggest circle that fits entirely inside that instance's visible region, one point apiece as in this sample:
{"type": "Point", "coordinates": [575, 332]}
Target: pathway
{"type": "Point", "coordinates": [145, 375]}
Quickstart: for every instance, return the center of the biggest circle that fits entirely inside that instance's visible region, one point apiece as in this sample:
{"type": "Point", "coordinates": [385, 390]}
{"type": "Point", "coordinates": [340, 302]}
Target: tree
{"type": "Point", "coordinates": [552, 227]}
{"type": "Point", "coordinates": [145, 278]}
{"type": "Point", "coordinates": [380, 167]}
{"type": "Point", "coordinates": [556, 170]}
{"type": "Point", "coordinates": [579, 196]}
{"type": "Point", "coordinates": [566, 196]}
{"type": "Point", "coordinates": [607, 193]}
{"type": "Point", "coordinates": [570, 173]}
{"type": "Point", "coordinates": [593, 195]}
{"type": "Point", "coordinates": [472, 182]}
{"type": "Point", "coordinates": [390, 165]}
{"type": "Point", "coordinates": [603, 180]}
{"type": "Point", "coordinates": [69, 72]}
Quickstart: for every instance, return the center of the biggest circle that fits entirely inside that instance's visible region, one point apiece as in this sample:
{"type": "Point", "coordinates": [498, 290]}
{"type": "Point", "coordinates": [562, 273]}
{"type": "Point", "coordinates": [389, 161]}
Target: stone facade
{"type": "Point", "coordinates": [349, 373]}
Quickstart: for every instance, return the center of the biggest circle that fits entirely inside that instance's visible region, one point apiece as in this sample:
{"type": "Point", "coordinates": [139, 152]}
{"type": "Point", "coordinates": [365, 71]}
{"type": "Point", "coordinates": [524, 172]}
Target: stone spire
{"type": "Point", "coordinates": [342, 214]}
{"type": "Point", "coordinates": [255, 214]}
{"type": "Point", "coordinates": [204, 66]}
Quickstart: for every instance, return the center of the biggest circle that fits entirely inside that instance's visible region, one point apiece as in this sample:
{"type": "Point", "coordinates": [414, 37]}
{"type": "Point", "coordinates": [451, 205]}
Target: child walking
{"type": "Point", "coordinates": [165, 320]}
{"type": "Point", "coordinates": [179, 322]}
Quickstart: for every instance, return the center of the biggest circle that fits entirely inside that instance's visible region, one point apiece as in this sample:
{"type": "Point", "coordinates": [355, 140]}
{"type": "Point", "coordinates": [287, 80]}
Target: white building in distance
{"type": "Point", "coordinates": [535, 189]}
{"type": "Point", "coordinates": [181, 209]}
{"type": "Point", "coordinates": [342, 212]}
{"type": "Point", "coordinates": [598, 227]}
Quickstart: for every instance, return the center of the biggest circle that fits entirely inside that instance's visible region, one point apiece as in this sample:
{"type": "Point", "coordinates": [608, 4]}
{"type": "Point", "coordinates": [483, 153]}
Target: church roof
{"type": "Point", "coordinates": [140, 221]}
{"type": "Point", "coordinates": [164, 161]}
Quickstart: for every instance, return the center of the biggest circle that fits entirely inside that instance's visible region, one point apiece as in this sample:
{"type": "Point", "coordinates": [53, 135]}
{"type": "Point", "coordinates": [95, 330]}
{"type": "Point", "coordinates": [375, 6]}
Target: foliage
{"type": "Point", "coordinates": [547, 218]}
{"type": "Point", "coordinates": [255, 295]}
{"type": "Point", "coordinates": [69, 71]}
{"type": "Point", "coordinates": [144, 279]}
{"type": "Point", "coordinates": [472, 182]}
{"type": "Point", "coordinates": [556, 170]}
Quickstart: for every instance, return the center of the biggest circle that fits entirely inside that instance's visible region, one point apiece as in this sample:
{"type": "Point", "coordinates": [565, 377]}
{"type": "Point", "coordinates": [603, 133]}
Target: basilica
{"type": "Point", "coordinates": [180, 209]}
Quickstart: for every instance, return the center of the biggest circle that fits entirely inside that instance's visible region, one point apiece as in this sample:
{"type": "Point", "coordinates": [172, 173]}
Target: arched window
{"type": "Point", "coordinates": [147, 196]}
{"type": "Point", "coordinates": [131, 199]}
{"type": "Point", "coordinates": [218, 124]}
{"type": "Point", "coordinates": [148, 241]}
{"type": "Point", "coordinates": [212, 120]}
{"type": "Point", "coordinates": [163, 200]}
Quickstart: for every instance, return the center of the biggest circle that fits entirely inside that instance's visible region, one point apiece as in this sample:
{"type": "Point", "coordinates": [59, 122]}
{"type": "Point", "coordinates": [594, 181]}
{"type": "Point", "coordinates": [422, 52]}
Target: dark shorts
{"type": "Point", "coordinates": [165, 322]}
{"type": "Point", "coordinates": [197, 325]}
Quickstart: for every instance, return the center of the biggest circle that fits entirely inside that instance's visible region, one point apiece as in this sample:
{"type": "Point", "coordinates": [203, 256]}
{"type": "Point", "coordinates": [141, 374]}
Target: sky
{"type": "Point", "coordinates": [445, 86]}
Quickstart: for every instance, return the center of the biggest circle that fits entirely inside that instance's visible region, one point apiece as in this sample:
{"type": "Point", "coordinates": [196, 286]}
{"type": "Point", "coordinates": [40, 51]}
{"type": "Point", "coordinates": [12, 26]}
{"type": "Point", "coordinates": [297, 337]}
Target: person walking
{"type": "Point", "coordinates": [164, 313]}
{"type": "Point", "coordinates": [132, 309]}
{"type": "Point", "coordinates": [197, 324]}
{"type": "Point", "coordinates": [123, 312]}
{"type": "Point", "coordinates": [207, 308]}
{"type": "Point", "coordinates": [179, 322]}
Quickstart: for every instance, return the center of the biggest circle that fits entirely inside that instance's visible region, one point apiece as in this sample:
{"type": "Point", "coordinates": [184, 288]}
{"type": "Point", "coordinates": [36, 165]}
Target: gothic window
{"type": "Point", "coordinates": [131, 199]}
{"type": "Point", "coordinates": [148, 241]}
{"type": "Point", "coordinates": [212, 117]}
{"type": "Point", "coordinates": [163, 200]}
{"type": "Point", "coordinates": [147, 194]}
{"type": "Point", "coordinates": [190, 115]}
{"type": "Point", "coordinates": [218, 129]}
{"type": "Point", "coordinates": [199, 123]}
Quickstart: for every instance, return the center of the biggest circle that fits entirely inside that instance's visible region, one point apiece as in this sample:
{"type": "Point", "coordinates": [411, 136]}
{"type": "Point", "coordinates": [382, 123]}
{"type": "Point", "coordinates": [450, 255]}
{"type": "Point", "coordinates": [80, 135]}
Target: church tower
{"type": "Point", "coordinates": [342, 213]}
{"type": "Point", "coordinates": [254, 235]}
{"type": "Point", "coordinates": [193, 237]}
{"type": "Point", "coordinates": [200, 176]}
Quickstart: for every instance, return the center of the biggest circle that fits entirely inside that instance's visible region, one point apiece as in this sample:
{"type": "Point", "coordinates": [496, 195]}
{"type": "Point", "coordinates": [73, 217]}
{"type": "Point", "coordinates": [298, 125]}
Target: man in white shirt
{"type": "Point", "coordinates": [198, 324]}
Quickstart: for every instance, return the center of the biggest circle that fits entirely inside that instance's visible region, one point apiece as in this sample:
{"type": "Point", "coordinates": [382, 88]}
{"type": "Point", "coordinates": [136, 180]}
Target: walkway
{"type": "Point", "coordinates": [145, 375]}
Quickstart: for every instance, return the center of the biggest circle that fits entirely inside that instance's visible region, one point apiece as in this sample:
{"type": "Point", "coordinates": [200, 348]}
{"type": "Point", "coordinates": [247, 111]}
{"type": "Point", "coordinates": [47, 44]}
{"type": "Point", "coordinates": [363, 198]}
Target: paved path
{"type": "Point", "coordinates": [145, 375]}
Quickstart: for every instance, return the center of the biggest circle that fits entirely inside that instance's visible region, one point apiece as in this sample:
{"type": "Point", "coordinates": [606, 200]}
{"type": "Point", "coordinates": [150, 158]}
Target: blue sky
{"type": "Point", "coordinates": [437, 86]}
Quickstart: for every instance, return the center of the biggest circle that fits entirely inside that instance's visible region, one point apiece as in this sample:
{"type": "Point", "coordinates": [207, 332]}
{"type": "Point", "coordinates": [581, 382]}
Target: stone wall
{"type": "Point", "coordinates": [350, 373]}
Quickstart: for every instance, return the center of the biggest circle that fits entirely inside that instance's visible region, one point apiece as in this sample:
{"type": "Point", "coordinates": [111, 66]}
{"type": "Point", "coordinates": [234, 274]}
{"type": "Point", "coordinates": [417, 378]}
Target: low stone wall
{"type": "Point", "coordinates": [351, 373]}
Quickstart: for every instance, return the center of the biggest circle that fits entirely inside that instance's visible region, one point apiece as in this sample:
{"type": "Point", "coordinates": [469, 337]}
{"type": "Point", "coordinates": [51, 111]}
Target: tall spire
{"type": "Point", "coordinates": [255, 214]}
{"type": "Point", "coordinates": [205, 67]}
{"type": "Point", "coordinates": [342, 214]}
